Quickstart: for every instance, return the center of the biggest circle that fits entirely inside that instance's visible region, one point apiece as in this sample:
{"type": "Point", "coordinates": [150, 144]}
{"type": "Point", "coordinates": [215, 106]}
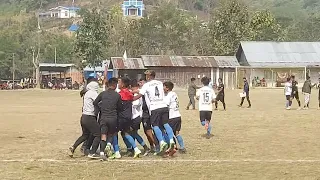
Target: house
{"type": "Point", "coordinates": [227, 67]}
{"type": "Point", "coordinates": [133, 8]}
{"type": "Point", "coordinates": [275, 61]}
{"type": "Point", "coordinates": [132, 67]}
{"type": "Point", "coordinates": [60, 71]}
{"type": "Point", "coordinates": [61, 12]}
{"type": "Point", "coordinates": [100, 70]}
{"type": "Point", "coordinates": [180, 69]}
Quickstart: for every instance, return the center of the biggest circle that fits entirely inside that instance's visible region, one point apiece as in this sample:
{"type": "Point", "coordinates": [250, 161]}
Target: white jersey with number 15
{"type": "Point", "coordinates": [153, 90]}
{"type": "Point", "coordinates": [205, 95]}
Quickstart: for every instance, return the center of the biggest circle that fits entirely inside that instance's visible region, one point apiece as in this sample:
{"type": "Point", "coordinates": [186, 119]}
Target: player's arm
{"type": "Point", "coordinates": [213, 96]}
{"type": "Point", "coordinates": [197, 95]}
{"type": "Point", "coordinates": [98, 100]}
{"type": "Point", "coordinates": [136, 103]}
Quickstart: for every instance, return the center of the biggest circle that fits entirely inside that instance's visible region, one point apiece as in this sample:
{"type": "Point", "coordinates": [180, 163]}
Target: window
{"type": "Point", "coordinates": [267, 74]}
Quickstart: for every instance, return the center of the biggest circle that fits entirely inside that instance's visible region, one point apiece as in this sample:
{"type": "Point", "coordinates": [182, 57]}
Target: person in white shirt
{"type": "Point", "coordinates": [89, 122]}
{"type": "Point", "coordinates": [153, 90]}
{"type": "Point", "coordinates": [137, 118]}
{"type": "Point", "coordinates": [174, 113]}
{"type": "Point", "coordinates": [288, 93]}
{"type": "Point", "coordinates": [206, 97]}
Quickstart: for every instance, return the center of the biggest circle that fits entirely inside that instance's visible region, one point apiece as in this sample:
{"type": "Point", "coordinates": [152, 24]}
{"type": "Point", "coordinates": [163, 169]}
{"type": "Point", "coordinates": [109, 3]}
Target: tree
{"type": "Point", "coordinates": [264, 27]}
{"type": "Point", "coordinates": [228, 26]}
{"type": "Point", "coordinates": [91, 39]}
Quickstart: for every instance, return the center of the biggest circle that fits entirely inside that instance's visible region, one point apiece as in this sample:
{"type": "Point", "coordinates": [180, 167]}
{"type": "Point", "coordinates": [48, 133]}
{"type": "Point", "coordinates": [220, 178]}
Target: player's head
{"type": "Point", "coordinates": [141, 82]}
{"type": "Point", "coordinates": [134, 84]}
{"type": "Point", "coordinates": [244, 79]}
{"type": "Point", "coordinates": [205, 81]}
{"type": "Point", "coordinates": [168, 86]}
{"type": "Point", "coordinates": [288, 79]}
{"type": "Point", "coordinates": [292, 77]}
{"type": "Point", "coordinates": [112, 83]}
{"type": "Point", "coordinates": [308, 77]}
{"type": "Point", "coordinates": [193, 79]}
{"type": "Point", "coordinates": [124, 82]}
{"type": "Point", "coordinates": [150, 74]}
{"type": "Point", "coordinates": [220, 80]}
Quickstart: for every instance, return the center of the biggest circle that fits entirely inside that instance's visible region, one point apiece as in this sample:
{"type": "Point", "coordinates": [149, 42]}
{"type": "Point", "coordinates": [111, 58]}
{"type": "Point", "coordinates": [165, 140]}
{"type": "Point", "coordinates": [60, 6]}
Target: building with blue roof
{"type": "Point", "coordinates": [133, 8]}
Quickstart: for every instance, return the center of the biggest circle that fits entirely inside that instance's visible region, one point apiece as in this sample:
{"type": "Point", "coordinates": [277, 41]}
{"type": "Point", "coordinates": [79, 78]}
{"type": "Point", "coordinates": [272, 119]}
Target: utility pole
{"type": "Point", "coordinates": [13, 70]}
{"type": "Point", "coordinates": [55, 56]}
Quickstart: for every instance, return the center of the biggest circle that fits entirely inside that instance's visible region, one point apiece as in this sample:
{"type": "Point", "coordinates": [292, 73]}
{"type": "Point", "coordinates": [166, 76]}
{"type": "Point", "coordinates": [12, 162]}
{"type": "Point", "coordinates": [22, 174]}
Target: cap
{"type": "Point", "coordinates": [92, 75]}
{"type": "Point", "coordinates": [150, 72]}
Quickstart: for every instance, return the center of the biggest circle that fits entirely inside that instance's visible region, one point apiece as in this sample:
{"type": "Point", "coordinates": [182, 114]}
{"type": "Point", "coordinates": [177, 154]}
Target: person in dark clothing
{"type": "Point", "coordinates": [192, 93]}
{"type": "Point", "coordinates": [295, 91]}
{"type": "Point", "coordinates": [125, 115]}
{"type": "Point", "coordinates": [306, 90]}
{"type": "Point", "coordinates": [220, 96]}
{"type": "Point", "coordinates": [246, 92]}
{"type": "Point", "coordinates": [110, 105]}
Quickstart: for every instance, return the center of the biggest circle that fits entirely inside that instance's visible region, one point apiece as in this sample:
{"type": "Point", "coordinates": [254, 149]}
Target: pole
{"type": "Point", "coordinates": [305, 73]}
{"type": "Point", "coordinates": [13, 69]}
{"type": "Point", "coordinates": [55, 56]}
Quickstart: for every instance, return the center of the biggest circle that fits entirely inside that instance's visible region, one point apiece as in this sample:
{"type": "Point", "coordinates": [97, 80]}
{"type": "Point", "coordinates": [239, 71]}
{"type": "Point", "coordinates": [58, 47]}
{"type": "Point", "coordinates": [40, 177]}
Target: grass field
{"type": "Point", "coordinates": [264, 142]}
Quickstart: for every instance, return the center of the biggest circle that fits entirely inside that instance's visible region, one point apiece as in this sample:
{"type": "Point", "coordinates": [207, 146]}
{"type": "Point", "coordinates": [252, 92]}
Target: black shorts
{"type": "Point", "coordinates": [108, 125]}
{"type": "Point", "coordinates": [205, 115]}
{"type": "Point", "coordinates": [136, 123]}
{"type": "Point", "coordinates": [288, 97]}
{"type": "Point", "coordinates": [295, 95]}
{"type": "Point", "coordinates": [124, 124]}
{"type": "Point", "coordinates": [90, 125]}
{"type": "Point", "coordinates": [220, 97]}
{"type": "Point", "coordinates": [159, 117]}
{"type": "Point", "coordinates": [146, 121]}
{"type": "Point", "coordinates": [175, 124]}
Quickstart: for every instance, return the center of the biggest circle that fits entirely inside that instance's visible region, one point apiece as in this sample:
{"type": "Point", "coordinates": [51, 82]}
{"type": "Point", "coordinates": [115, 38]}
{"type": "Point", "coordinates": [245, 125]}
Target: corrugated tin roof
{"type": "Point", "coordinates": [128, 63]}
{"type": "Point", "coordinates": [226, 61]}
{"type": "Point", "coordinates": [281, 54]}
{"type": "Point", "coordinates": [55, 65]}
{"type": "Point", "coordinates": [180, 61]}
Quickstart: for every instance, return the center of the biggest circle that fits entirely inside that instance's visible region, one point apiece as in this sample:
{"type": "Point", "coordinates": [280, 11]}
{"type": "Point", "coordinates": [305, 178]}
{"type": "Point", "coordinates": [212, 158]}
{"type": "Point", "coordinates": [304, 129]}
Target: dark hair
{"type": "Point", "coordinates": [125, 81]}
{"type": "Point", "coordinates": [113, 82]}
{"type": "Point", "coordinates": [169, 85]}
{"type": "Point", "coordinates": [288, 79]}
{"type": "Point", "coordinates": [193, 79]}
{"type": "Point", "coordinates": [220, 79]}
{"type": "Point", "coordinates": [244, 78]}
{"type": "Point", "coordinates": [134, 83]}
{"type": "Point", "coordinates": [205, 81]}
{"type": "Point", "coordinates": [292, 76]}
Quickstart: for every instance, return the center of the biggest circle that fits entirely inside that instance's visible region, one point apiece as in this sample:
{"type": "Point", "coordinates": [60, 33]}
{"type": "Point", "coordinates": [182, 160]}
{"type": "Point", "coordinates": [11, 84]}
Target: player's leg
{"type": "Point", "coordinates": [115, 144]}
{"type": "Point", "coordinates": [179, 138]}
{"type": "Point", "coordinates": [155, 122]}
{"type": "Point", "coordinates": [241, 103]}
{"type": "Point", "coordinates": [94, 129]}
{"type": "Point", "coordinates": [193, 102]}
{"type": "Point", "coordinates": [135, 127]}
{"type": "Point", "coordinates": [298, 100]}
{"type": "Point", "coordinates": [223, 102]}
{"type": "Point", "coordinates": [248, 99]}
{"type": "Point", "coordinates": [82, 138]}
{"type": "Point", "coordinates": [209, 126]}
{"type": "Point", "coordinates": [105, 138]}
{"type": "Point", "coordinates": [164, 120]}
{"type": "Point", "coordinates": [148, 131]}
{"type": "Point", "coordinates": [216, 103]}
{"type": "Point", "coordinates": [190, 102]}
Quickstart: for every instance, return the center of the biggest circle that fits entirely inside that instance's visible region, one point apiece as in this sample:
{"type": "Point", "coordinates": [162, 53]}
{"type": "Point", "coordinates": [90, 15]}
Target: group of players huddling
{"type": "Point", "coordinates": [124, 105]}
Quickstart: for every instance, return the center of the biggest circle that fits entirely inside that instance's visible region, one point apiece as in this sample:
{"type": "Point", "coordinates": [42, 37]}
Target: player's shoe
{"type": "Point", "coordinates": [137, 153]}
{"type": "Point", "coordinates": [108, 150]}
{"type": "Point", "coordinates": [288, 108]}
{"type": "Point", "coordinates": [103, 157]}
{"type": "Point", "coordinates": [208, 136]}
{"type": "Point", "coordinates": [172, 152]}
{"type": "Point", "coordinates": [163, 147]}
{"type": "Point", "coordinates": [183, 151]}
{"type": "Point", "coordinates": [94, 156]}
{"type": "Point", "coordinates": [116, 155]}
{"type": "Point", "coordinates": [146, 152]}
{"type": "Point", "coordinates": [249, 107]}
{"type": "Point", "coordinates": [71, 151]}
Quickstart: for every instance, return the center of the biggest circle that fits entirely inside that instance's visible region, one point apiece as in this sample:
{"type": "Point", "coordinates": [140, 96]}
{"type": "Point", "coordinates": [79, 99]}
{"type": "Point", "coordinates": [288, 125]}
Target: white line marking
{"type": "Point", "coordinates": [170, 160]}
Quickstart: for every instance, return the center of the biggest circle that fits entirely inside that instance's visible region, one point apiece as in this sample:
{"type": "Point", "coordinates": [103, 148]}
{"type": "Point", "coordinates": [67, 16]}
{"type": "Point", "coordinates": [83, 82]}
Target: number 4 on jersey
{"type": "Point", "coordinates": [156, 92]}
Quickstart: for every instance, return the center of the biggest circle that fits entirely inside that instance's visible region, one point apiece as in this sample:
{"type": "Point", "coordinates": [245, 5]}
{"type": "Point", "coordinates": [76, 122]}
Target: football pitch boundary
{"type": "Point", "coordinates": [288, 161]}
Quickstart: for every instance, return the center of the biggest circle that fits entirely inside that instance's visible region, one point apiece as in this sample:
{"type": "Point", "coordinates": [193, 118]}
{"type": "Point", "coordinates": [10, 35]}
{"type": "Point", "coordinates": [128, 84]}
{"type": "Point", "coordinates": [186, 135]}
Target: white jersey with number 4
{"type": "Point", "coordinates": [205, 95]}
{"type": "Point", "coordinates": [153, 90]}
{"type": "Point", "coordinates": [173, 104]}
